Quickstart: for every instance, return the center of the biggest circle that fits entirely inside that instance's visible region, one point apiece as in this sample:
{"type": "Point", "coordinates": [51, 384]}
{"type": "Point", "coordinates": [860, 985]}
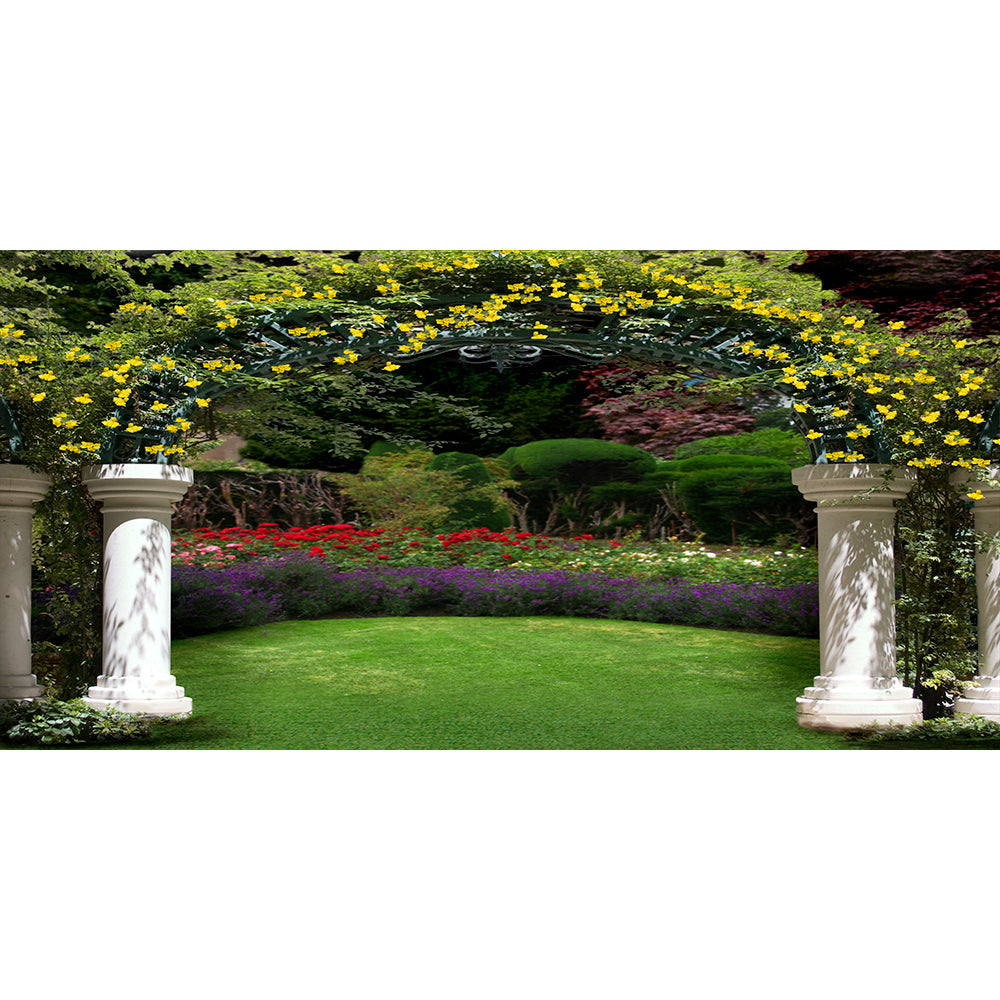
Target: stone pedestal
{"type": "Point", "coordinates": [857, 685]}
{"type": "Point", "coordinates": [984, 698]}
{"type": "Point", "coordinates": [136, 667]}
{"type": "Point", "coordinates": [20, 490]}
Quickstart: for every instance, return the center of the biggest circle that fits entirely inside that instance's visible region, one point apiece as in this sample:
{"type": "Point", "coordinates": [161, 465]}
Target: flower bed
{"type": "Point", "coordinates": [345, 546]}
{"type": "Point", "coordinates": [207, 599]}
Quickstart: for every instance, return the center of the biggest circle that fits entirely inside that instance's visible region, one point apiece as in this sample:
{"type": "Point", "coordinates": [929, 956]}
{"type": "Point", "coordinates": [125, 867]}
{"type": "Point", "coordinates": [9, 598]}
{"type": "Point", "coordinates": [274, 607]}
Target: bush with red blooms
{"type": "Point", "coordinates": [346, 544]}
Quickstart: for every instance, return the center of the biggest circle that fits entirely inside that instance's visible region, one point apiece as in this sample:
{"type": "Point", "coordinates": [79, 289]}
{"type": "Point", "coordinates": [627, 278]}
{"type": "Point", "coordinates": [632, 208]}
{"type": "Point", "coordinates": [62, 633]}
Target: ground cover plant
{"type": "Point", "coordinates": [538, 682]}
{"type": "Point", "coordinates": [47, 722]}
{"type": "Point", "coordinates": [964, 731]}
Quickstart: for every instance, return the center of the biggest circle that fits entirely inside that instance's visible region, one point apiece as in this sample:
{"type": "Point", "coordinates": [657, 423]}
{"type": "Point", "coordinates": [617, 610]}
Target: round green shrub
{"type": "Point", "coordinates": [581, 461]}
{"type": "Point", "coordinates": [772, 442]}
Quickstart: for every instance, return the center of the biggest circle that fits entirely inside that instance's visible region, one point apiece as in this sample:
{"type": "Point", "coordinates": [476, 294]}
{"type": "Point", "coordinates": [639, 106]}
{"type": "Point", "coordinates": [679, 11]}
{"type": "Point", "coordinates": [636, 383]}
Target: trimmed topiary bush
{"type": "Point", "coordinates": [745, 497]}
{"type": "Point", "coordinates": [581, 461]}
{"type": "Point", "coordinates": [782, 445]}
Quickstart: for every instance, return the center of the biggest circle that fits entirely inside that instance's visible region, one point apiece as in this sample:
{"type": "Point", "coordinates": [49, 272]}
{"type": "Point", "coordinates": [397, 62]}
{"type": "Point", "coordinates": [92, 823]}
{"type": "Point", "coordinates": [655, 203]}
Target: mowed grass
{"type": "Point", "coordinates": [423, 683]}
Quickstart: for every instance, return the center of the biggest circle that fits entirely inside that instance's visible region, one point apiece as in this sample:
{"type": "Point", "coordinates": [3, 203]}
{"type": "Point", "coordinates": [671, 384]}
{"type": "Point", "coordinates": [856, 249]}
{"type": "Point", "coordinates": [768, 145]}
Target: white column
{"type": "Point", "coordinates": [984, 698]}
{"type": "Point", "coordinates": [20, 489]}
{"type": "Point", "coordinates": [136, 673]}
{"type": "Point", "coordinates": [857, 685]}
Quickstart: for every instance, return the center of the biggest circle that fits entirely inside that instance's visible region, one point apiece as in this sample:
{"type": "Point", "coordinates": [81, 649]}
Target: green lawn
{"type": "Point", "coordinates": [425, 683]}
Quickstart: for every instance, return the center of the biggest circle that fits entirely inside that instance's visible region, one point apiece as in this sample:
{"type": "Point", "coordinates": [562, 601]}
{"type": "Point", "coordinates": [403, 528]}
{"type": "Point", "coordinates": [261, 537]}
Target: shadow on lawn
{"type": "Point", "coordinates": [194, 729]}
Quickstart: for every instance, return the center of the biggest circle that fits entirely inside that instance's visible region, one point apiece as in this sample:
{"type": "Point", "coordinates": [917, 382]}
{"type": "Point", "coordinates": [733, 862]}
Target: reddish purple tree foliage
{"type": "Point", "coordinates": [656, 420]}
{"type": "Point", "coordinates": [915, 286]}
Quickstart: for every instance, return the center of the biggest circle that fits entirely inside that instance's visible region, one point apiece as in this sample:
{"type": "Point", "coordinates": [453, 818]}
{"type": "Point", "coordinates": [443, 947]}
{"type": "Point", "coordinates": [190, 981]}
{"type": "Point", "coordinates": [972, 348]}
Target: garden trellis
{"type": "Point", "coordinates": [707, 327]}
{"type": "Point", "coordinates": [293, 340]}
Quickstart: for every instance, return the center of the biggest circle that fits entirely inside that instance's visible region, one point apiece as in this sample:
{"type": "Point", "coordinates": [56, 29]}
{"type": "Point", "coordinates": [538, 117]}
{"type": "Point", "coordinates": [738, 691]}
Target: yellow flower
{"type": "Point", "coordinates": [180, 310]}
{"type": "Point", "coordinates": [47, 376]}
{"type": "Point", "coordinates": [975, 495]}
{"type": "Point", "coordinates": [192, 383]}
{"type": "Point", "coordinates": [281, 368]}
{"type": "Point", "coordinates": [203, 402]}
{"type": "Point", "coordinates": [390, 367]}
{"type": "Point", "coordinates": [133, 428]}
{"type": "Point", "coordinates": [539, 336]}
{"type": "Point", "coordinates": [812, 435]}
{"type": "Point", "coordinates": [37, 397]}
{"type": "Point", "coordinates": [801, 407]}
{"type": "Point", "coordinates": [110, 422]}
{"type": "Point", "coordinates": [156, 407]}
{"type": "Point", "coordinates": [85, 398]}
{"type": "Point", "coordinates": [942, 396]}
{"type": "Point", "coordinates": [929, 416]}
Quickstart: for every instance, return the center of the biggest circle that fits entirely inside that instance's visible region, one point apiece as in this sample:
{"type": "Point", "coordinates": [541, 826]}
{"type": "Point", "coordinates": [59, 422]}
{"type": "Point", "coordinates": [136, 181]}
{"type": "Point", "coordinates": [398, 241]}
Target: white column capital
{"type": "Point", "coordinates": [861, 483]}
{"type": "Point", "coordinates": [137, 489]}
{"type": "Point", "coordinates": [21, 486]}
{"type": "Point", "coordinates": [990, 489]}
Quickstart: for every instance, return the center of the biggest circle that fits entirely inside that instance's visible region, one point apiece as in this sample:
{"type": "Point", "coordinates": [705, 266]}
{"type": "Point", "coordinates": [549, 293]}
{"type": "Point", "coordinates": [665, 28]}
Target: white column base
{"type": "Point", "coordinates": [849, 703]}
{"type": "Point", "coordinates": [139, 696]}
{"type": "Point", "coordinates": [19, 688]}
{"type": "Point", "coordinates": [984, 699]}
